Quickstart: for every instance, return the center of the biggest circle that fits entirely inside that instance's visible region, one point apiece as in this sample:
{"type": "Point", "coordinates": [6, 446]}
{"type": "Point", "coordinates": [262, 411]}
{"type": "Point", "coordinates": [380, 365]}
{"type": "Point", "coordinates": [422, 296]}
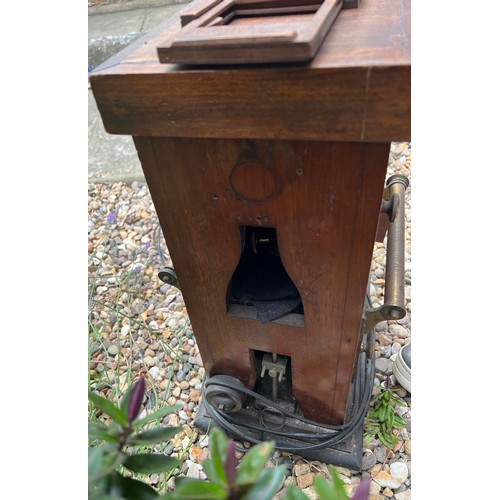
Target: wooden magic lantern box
{"type": "Point", "coordinates": [263, 129]}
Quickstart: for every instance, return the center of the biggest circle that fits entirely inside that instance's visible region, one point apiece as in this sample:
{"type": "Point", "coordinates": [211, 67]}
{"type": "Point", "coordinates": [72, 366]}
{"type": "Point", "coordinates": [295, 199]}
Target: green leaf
{"type": "Point", "coordinates": [371, 431]}
{"type": "Point", "coordinates": [99, 431]}
{"type": "Point", "coordinates": [387, 440]}
{"type": "Point", "coordinates": [108, 464]}
{"type": "Point", "coordinates": [368, 438]}
{"type": "Point", "coordinates": [399, 421]}
{"type": "Point", "coordinates": [105, 497]}
{"type": "Point", "coordinates": [126, 399]}
{"type": "Point", "coordinates": [294, 493]}
{"type": "Point", "coordinates": [199, 490]}
{"type": "Point", "coordinates": [114, 459]}
{"type": "Point", "coordinates": [209, 470]}
{"type": "Point", "coordinates": [268, 484]}
{"type": "Point", "coordinates": [218, 453]}
{"type": "Point", "coordinates": [253, 462]}
{"type": "Point", "coordinates": [323, 488]}
{"type": "Point", "coordinates": [337, 486]}
{"type": "Point", "coordinates": [155, 415]}
{"type": "Point", "coordinates": [95, 461]}
{"type": "Point", "coordinates": [147, 463]}
{"type": "Point", "coordinates": [109, 408]}
{"type": "Point", "coordinates": [101, 494]}
{"type": "Point", "coordinates": [183, 479]}
{"type": "Point", "coordinates": [390, 419]}
{"type": "Point", "coordinates": [128, 488]}
{"type": "Point", "coordinates": [382, 413]}
{"type": "Point", "coordinates": [154, 436]}
{"type": "Point", "coordinates": [398, 401]}
{"type": "Point", "coordinates": [377, 396]}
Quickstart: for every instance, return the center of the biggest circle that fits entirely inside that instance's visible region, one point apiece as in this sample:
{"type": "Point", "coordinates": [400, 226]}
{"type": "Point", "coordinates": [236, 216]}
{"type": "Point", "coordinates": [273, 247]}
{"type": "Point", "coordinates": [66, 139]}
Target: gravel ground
{"type": "Point", "coordinates": [138, 325]}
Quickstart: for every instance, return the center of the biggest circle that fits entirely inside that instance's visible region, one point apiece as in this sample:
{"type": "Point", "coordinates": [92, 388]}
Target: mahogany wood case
{"type": "Point", "coordinates": [298, 147]}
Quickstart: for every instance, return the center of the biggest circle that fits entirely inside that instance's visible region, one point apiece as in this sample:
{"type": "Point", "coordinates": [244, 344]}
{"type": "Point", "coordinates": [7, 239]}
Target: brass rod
{"type": "Point", "coordinates": [394, 295]}
{"type": "Point", "coordinates": [275, 379]}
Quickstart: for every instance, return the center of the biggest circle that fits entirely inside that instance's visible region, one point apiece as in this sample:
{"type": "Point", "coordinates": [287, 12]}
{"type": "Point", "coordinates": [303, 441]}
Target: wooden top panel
{"type": "Point", "coordinates": [357, 88]}
{"type": "Point", "coordinates": [256, 31]}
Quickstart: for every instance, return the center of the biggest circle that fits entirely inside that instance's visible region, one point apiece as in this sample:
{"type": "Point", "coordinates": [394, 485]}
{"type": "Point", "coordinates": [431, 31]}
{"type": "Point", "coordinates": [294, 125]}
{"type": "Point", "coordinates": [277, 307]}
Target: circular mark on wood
{"type": "Point", "coordinates": [253, 181]}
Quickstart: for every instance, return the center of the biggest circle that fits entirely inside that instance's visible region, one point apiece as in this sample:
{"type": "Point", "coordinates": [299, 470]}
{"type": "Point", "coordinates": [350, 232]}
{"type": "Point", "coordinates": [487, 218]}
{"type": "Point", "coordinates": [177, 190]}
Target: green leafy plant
{"type": "Point", "coordinates": [251, 480]}
{"type": "Point", "coordinates": [114, 448]}
{"type": "Point", "coordinates": [333, 490]}
{"type": "Point", "coordinates": [382, 419]}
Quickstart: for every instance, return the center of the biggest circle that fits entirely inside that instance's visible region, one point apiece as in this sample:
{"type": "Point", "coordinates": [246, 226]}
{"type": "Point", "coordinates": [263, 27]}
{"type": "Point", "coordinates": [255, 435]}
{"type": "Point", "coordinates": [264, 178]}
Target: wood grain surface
{"type": "Point", "coordinates": [324, 206]}
{"type": "Point", "coordinates": [260, 31]}
{"type": "Point", "coordinates": [301, 148]}
{"type": "Point", "coordinates": [357, 88]}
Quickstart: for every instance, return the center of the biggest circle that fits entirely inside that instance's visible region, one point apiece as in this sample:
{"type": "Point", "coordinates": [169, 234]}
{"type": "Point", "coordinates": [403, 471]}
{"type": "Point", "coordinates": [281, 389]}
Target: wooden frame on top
{"type": "Point", "coordinates": [250, 31]}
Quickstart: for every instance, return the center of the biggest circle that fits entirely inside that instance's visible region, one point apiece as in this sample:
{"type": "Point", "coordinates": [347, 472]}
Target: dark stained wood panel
{"type": "Point", "coordinates": [324, 206]}
{"type": "Point", "coordinates": [357, 88]}
{"type": "Point", "coordinates": [251, 31]}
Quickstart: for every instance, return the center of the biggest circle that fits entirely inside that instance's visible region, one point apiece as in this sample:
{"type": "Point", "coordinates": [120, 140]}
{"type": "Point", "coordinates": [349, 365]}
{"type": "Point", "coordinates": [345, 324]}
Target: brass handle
{"type": "Point", "coordinates": [394, 296]}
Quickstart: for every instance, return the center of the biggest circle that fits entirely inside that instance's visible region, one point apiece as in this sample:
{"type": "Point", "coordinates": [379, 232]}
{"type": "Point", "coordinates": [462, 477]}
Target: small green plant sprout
{"type": "Point", "coordinates": [250, 480]}
{"type": "Point", "coordinates": [113, 448]}
{"type": "Point", "coordinates": [382, 419]}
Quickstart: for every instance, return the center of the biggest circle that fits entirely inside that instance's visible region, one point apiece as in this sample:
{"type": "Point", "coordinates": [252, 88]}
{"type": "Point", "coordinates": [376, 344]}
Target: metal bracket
{"type": "Point", "coordinates": [390, 204]}
{"type": "Point", "coordinates": [383, 313]}
{"type": "Point", "coordinates": [275, 368]}
{"type": "Point", "coordinates": [168, 275]}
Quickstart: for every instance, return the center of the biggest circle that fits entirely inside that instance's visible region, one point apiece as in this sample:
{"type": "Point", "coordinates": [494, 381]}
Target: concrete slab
{"type": "Point", "coordinates": [139, 20]}
{"type": "Point", "coordinates": [113, 158]}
